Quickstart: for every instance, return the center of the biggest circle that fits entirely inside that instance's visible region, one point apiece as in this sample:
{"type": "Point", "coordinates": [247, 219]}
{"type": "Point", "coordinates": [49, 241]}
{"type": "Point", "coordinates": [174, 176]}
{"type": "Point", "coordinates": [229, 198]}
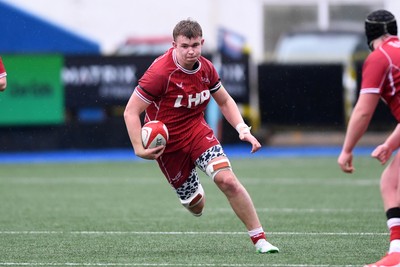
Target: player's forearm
{"type": "Point", "coordinates": [133, 110]}
{"type": "Point", "coordinates": [133, 125]}
{"type": "Point", "coordinates": [358, 124]}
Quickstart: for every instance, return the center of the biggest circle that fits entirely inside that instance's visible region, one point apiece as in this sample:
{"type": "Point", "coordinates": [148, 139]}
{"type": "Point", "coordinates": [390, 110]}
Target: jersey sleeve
{"type": "Point", "coordinates": [374, 72]}
{"type": "Point", "coordinates": [215, 80]}
{"type": "Point", "coordinates": [152, 85]}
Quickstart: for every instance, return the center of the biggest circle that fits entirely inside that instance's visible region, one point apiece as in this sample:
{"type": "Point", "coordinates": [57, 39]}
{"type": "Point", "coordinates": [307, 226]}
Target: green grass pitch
{"type": "Point", "coordinates": [125, 214]}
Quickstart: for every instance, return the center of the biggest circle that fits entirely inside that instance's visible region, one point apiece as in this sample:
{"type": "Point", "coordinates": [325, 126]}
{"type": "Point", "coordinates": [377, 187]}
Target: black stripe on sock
{"type": "Point", "coordinates": [393, 213]}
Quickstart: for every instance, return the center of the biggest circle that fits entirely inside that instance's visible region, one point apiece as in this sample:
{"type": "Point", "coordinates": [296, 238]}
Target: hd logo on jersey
{"type": "Point", "coordinates": [192, 100]}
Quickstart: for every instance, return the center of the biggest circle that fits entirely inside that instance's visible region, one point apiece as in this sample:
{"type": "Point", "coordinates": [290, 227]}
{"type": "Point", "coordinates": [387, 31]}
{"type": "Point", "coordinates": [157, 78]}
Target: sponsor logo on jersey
{"type": "Point", "coordinates": [192, 100]}
{"type": "Point", "coordinates": [205, 80]}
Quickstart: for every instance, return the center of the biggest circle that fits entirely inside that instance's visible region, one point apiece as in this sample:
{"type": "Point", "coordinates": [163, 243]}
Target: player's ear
{"type": "Point", "coordinates": [202, 41]}
{"type": "Point", "coordinates": [174, 44]}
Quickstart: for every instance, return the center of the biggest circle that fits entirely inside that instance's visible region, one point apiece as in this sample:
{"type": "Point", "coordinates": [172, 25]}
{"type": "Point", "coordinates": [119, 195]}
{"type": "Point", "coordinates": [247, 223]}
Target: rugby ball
{"type": "Point", "coordinates": [154, 133]}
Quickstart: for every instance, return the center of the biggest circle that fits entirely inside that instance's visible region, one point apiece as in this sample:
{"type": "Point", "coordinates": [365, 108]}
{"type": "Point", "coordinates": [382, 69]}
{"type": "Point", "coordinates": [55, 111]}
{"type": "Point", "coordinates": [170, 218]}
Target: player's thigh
{"type": "Point", "coordinates": [176, 167]}
{"type": "Point", "coordinates": [210, 155]}
{"type": "Point", "coordinates": [190, 187]}
{"type": "Point", "coordinates": [391, 175]}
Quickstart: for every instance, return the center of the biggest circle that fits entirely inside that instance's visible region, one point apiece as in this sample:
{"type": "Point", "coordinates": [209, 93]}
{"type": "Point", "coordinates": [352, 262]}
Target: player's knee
{"type": "Point", "coordinates": [226, 181]}
{"type": "Point", "coordinates": [229, 184]}
{"type": "Point", "coordinates": [195, 204]}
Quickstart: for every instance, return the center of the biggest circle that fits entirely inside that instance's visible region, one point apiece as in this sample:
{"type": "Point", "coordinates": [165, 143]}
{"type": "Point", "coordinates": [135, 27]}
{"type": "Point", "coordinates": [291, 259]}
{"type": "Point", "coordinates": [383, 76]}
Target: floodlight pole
{"type": "Point", "coordinates": [323, 14]}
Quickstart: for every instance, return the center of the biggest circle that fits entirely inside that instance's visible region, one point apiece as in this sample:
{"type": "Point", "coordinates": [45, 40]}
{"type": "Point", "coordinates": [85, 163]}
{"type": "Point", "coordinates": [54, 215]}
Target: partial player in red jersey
{"type": "Point", "coordinates": [380, 80]}
{"type": "Point", "coordinates": [3, 78]}
{"type": "Point", "coordinates": [176, 90]}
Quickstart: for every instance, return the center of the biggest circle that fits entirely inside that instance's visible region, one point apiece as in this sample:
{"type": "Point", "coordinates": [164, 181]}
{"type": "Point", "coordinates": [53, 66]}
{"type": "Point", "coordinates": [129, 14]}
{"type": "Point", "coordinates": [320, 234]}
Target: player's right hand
{"type": "Point", "coordinates": [150, 153]}
{"type": "Point", "coordinates": [345, 162]}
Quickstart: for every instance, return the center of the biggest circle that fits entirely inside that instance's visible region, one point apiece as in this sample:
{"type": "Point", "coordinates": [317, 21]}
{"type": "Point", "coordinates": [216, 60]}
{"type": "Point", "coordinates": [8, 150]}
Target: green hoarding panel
{"type": "Point", "coordinates": [34, 94]}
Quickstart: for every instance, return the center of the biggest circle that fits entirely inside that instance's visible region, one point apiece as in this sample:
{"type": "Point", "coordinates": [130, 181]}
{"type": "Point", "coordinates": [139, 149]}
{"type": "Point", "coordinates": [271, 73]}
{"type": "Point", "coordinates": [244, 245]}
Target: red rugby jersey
{"type": "Point", "coordinates": [381, 74]}
{"type": "Point", "coordinates": [2, 69]}
{"type": "Point", "coordinates": [178, 97]}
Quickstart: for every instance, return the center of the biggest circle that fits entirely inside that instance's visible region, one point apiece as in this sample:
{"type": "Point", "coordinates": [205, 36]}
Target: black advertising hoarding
{"type": "Point", "coordinates": [235, 77]}
{"type": "Point", "coordinates": [93, 81]}
{"type": "Point", "coordinates": [301, 95]}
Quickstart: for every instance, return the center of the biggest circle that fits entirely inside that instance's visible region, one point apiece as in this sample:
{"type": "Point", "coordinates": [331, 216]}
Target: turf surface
{"type": "Point", "coordinates": [125, 214]}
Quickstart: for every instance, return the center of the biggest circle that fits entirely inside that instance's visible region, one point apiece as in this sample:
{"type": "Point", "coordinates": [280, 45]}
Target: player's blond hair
{"type": "Point", "coordinates": [188, 28]}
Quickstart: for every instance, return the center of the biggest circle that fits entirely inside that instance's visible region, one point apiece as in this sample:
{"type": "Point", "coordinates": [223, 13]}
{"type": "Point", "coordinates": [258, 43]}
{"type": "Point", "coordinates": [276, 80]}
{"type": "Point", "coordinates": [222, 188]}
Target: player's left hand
{"type": "Point", "coordinates": [255, 145]}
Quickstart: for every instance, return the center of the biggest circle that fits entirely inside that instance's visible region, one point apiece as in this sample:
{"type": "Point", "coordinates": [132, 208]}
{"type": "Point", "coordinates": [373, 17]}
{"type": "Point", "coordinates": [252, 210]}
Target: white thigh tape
{"type": "Point", "coordinates": [214, 167]}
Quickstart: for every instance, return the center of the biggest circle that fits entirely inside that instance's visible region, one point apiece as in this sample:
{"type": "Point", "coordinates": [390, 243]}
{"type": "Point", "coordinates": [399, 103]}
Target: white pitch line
{"type": "Point", "coordinates": [181, 233]}
{"type": "Point", "coordinates": [297, 210]}
{"type": "Point", "coordinates": [166, 264]}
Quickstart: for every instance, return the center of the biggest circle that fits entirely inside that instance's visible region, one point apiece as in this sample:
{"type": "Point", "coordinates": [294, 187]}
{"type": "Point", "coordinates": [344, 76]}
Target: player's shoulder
{"type": "Point", "coordinates": [380, 56]}
{"type": "Point", "coordinates": [390, 48]}
{"type": "Point", "coordinates": [161, 64]}
{"type": "Point", "coordinates": [164, 58]}
{"type": "Point", "coordinates": [393, 42]}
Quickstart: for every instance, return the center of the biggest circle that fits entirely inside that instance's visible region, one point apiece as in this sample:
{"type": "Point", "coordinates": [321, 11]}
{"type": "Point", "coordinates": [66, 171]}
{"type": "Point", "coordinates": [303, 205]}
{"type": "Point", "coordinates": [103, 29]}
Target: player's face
{"type": "Point", "coordinates": [188, 50]}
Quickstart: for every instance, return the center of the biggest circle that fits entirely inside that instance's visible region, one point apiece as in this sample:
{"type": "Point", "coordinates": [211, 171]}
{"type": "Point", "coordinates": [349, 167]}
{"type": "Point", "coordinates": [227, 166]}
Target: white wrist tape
{"type": "Point", "coordinates": [242, 128]}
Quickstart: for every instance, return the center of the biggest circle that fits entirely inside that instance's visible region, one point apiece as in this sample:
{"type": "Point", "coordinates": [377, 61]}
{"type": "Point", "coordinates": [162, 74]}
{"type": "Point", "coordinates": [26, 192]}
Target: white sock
{"type": "Point", "coordinates": [256, 231]}
{"type": "Point", "coordinates": [394, 246]}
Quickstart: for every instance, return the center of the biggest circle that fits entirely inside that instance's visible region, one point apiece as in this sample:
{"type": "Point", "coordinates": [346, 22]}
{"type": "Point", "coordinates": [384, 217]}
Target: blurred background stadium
{"type": "Point", "coordinates": [292, 66]}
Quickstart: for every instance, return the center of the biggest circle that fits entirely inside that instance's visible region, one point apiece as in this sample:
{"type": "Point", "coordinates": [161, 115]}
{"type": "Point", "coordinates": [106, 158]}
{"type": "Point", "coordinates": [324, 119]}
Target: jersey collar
{"type": "Point", "coordinates": [182, 68]}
